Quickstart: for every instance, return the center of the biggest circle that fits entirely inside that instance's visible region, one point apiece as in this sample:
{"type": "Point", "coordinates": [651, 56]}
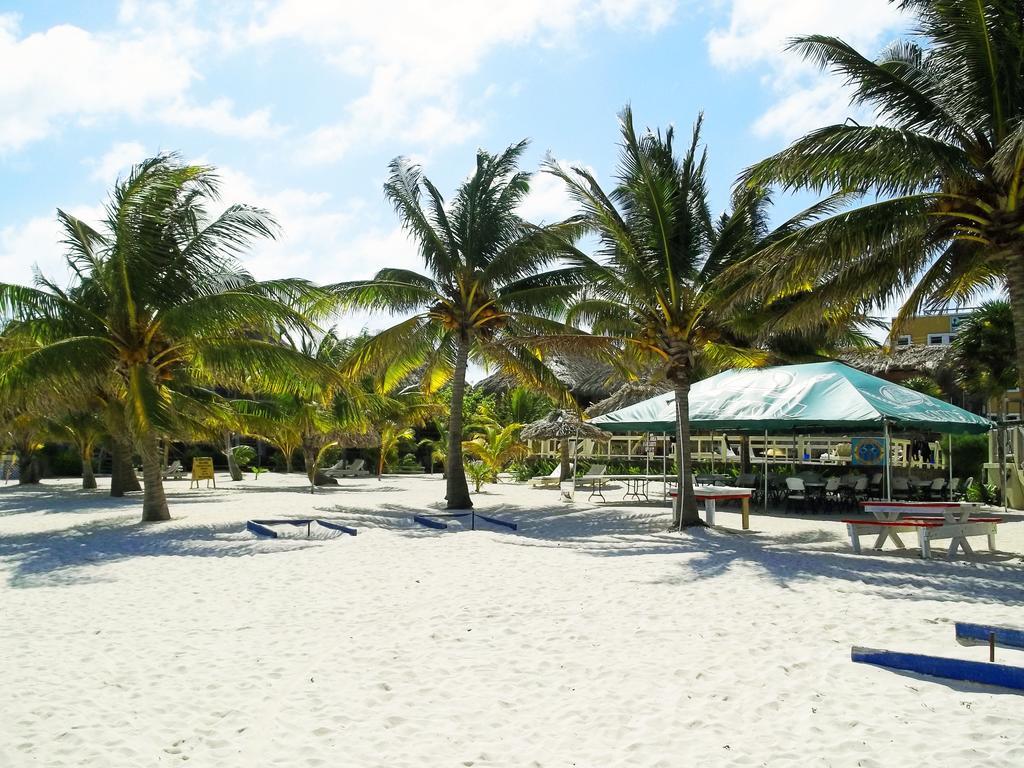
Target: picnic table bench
{"type": "Point", "coordinates": [948, 520]}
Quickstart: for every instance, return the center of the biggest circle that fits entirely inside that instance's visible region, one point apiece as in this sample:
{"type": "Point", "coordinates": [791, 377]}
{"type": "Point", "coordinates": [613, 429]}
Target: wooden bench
{"type": "Point", "coordinates": [928, 529]}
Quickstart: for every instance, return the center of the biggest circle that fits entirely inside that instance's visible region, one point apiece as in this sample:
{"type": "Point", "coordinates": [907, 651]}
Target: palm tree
{"type": "Point", "coordinates": [984, 362]}
{"type": "Point", "coordinates": [158, 306]}
{"type": "Point", "coordinates": [657, 282]}
{"type": "Point", "coordinates": [939, 178]}
{"type": "Point", "coordinates": [84, 429]}
{"type": "Point", "coordinates": [485, 295]}
{"type": "Point", "coordinates": [496, 447]}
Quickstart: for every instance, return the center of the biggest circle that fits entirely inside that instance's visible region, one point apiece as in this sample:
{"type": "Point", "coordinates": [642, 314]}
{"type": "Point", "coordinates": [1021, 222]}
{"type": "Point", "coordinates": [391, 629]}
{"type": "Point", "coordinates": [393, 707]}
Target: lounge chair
{"type": "Point", "coordinates": [353, 470]}
{"type": "Point", "coordinates": [174, 471]}
{"type": "Point", "coordinates": [587, 480]}
{"type": "Point", "coordinates": [551, 479]}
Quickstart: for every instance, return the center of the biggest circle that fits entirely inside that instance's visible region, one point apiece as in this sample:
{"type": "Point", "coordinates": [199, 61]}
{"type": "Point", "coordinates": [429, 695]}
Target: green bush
{"type": "Point", "coordinates": [970, 452]}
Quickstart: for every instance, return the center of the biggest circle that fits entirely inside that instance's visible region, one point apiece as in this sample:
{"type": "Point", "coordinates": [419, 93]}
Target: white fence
{"type": "Point", "coordinates": [728, 449]}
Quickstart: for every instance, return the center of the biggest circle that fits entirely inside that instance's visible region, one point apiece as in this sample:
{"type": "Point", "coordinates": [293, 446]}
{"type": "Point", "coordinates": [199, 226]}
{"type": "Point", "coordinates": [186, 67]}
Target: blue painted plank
{"type": "Point", "coordinates": [977, 634]}
{"type": "Point", "coordinates": [257, 527]}
{"type": "Point", "coordinates": [429, 523]}
{"type": "Point", "coordinates": [496, 521]}
{"type": "Point", "coordinates": [337, 527]}
{"type": "Point", "coordinates": [985, 673]}
{"type": "Point", "coordinates": [286, 521]}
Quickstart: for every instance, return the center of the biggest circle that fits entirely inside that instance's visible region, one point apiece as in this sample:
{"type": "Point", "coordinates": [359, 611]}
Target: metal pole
{"type": "Point", "coordinates": [712, 451]}
{"type": "Point", "coordinates": [664, 466]}
{"type": "Point", "coordinates": [888, 463]}
{"type": "Point", "coordinates": [766, 471]}
{"type": "Point", "coordinates": [575, 461]}
{"type": "Point", "coordinates": [949, 461]}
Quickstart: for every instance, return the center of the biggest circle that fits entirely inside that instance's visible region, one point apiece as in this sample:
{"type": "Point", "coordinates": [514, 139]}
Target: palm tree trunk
{"type": "Point", "coordinates": [29, 470]}
{"type": "Point", "coordinates": [154, 502]}
{"type": "Point", "coordinates": [88, 478]}
{"type": "Point", "coordinates": [458, 489]}
{"type": "Point", "coordinates": [685, 508]}
{"type": "Point", "coordinates": [233, 469]}
{"type": "Point", "coordinates": [564, 474]}
{"type": "Point", "coordinates": [122, 474]}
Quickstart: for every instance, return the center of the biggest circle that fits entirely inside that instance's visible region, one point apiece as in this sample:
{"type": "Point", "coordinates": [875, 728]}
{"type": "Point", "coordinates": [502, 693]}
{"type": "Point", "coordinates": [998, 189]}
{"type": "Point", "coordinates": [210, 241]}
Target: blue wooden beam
{"type": "Point", "coordinates": [978, 634]}
{"type": "Point", "coordinates": [337, 527]}
{"type": "Point", "coordinates": [257, 527]}
{"type": "Point", "coordinates": [496, 521]}
{"type": "Point", "coordinates": [984, 673]}
{"type": "Point", "coordinates": [430, 523]}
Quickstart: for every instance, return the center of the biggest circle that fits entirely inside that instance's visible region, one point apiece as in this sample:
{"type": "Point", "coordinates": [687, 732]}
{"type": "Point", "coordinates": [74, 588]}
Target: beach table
{"type": "Point", "coordinates": [712, 494]}
{"type": "Point", "coordinates": [930, 520]}
{"type": "Point", "coordinates": [637, 486]}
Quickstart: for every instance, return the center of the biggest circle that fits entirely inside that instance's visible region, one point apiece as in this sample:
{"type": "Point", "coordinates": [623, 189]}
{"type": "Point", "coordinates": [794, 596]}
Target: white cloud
{"type": "Point", "coordinates": [66, 75]}
{"type": "Point", "coordinates": [548, 201]}
{"type": "Point", "coordinates": [413, 56]}
{"type": "Point", "coordinates": [219, 117]}
{"type": "Point", "coordinates": [756, 39]}
{"type": "Point", "coordinates": [117, 159]}
{"type": "Point", "coordinates": [37, 242]}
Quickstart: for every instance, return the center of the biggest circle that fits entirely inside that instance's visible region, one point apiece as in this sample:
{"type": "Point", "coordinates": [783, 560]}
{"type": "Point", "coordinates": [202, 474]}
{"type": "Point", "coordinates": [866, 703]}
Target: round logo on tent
{"type": "Point", "coordinates": [900, 396]}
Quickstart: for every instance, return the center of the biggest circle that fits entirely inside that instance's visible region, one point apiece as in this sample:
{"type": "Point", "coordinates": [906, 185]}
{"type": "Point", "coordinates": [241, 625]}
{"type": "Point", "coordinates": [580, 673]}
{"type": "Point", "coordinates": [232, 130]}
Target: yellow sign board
{"type": "Point", "coordinates": [202, 469]}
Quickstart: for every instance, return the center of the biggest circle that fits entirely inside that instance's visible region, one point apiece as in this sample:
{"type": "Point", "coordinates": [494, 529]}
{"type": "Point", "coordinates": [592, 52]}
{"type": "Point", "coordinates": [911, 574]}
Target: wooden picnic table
{"type": "Point", "coordinates": [930, 520]}
{"type": "Point", "coordinates": [712, 494]}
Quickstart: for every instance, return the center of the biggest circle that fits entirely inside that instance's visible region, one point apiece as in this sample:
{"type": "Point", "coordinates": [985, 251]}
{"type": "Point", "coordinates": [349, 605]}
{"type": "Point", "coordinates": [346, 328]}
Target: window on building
{"type": "Point", "coordinates": [936, 338]}
{"type": "Point", "coordinates": [904, 341]}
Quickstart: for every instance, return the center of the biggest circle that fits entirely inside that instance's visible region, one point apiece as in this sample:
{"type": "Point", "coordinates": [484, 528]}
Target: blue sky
{"type": "Point", "coordinates": [301, 104]}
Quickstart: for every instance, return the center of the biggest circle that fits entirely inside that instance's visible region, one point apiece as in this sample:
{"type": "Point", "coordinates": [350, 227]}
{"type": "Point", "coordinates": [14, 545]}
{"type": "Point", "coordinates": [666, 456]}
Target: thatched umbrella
{"type": "Point", "coordinates": [367, 438]}
{"type": "Point", "coordinates": [630, 393]}
{"type": "Point", "coordinates": [564, 426]}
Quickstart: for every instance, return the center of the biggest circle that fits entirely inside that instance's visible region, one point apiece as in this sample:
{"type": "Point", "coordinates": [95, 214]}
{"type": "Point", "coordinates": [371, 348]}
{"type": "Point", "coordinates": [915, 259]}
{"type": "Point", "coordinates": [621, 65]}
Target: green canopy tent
{"type": "Point", "coordinates": [807, 398]}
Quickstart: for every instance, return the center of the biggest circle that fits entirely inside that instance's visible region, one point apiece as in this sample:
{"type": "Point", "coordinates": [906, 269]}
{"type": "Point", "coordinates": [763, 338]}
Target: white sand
{"type": "Point", "coordinates": [590, 638]}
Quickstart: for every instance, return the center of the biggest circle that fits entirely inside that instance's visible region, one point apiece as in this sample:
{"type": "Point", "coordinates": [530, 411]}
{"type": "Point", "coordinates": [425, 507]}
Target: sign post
{"type": "Point", "coordinates": [202, 469]}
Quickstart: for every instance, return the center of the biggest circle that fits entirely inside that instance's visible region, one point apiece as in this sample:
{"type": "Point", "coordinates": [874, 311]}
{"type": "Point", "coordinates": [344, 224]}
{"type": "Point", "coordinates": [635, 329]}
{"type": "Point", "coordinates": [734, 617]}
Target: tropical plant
{"type": "Point", "coordinates": [158, 307]}
{"type": "Point", "coordinates": [521, 405]}
{"type": "Point", "coordinates": [984, 360]}
{"type": "Point", "coordinates": [656, 284]}
{"type": "Point", "coordinates": [487, 293]}
{"type": "Point", "coordinates": [926, 385]}
{"type": "Point", "coordinates": [480, 473]}
{"type": "Point", "coordinates": [84, 429]}
{"type": "Point", "coordinates": [497, 447]}
{"type": "Point", "coordinates": [984, 353]}
{"type": "Point", "coordinates": [938, 177]}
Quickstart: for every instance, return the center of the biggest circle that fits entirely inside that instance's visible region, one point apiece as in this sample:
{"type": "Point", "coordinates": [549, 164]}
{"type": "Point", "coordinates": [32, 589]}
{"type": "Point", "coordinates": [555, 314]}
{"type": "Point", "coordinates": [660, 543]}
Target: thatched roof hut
{"type": "Point", "coordinates": [588, 380]}
{"type": "Point", "coordinates": [630, 393]}
{"type": "Point", "coordinates": [903, 362]}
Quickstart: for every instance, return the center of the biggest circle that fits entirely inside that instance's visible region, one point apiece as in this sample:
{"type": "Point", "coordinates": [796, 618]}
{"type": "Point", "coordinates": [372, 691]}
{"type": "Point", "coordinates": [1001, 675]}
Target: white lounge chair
{"type": "Point", "coordinates": [551, 479]}
{"type": "Point", "coordinates": [174, 471]}
{"type": "Point", "coordinates": [354, 470]}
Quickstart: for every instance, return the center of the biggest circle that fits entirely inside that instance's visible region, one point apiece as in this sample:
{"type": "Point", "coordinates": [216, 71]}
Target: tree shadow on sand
{"type": "Point", "coordinates": [72, 556]}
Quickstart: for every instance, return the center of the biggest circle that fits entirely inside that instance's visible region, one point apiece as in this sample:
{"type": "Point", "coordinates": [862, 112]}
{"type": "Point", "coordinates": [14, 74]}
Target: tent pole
{"type": "Point", "coordinates": [888, 462]}
{"type": "Point", "coordinates": [575, 460]}
{"type": "Point", "coordinates": [949, 463]}
{"type": "Point", "coordinates": [664, 466]}
{"type": "Point", "coordinates": [766, 471]}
